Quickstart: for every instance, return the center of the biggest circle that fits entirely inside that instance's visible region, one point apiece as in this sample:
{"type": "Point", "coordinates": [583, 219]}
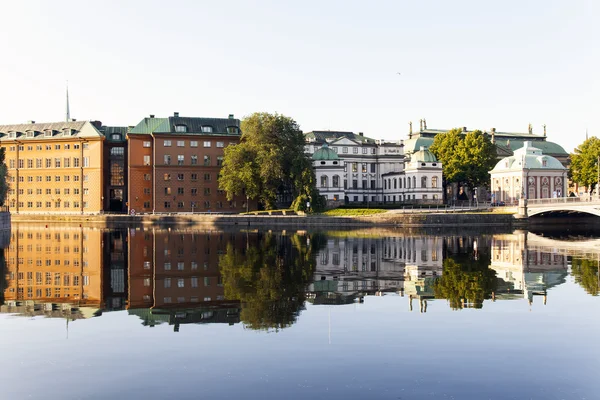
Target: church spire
{"type": "Point", "coordinates": [68, 116]}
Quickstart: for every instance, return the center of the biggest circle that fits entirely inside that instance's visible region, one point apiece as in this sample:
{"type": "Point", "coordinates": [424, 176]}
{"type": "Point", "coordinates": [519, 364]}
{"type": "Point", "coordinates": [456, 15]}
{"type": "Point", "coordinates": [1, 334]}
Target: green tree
{"type": "Point", "coordinates": [584, 163]}
{"type": "Point", "coordinates": [586, 273]}
{"type": "Point", "coordinates": [3, 177]}
{"type": "Point", "coordinates": [465, 280]}
{"type": "Point", "coordinates": [270, 277]}
{"type": "Point", "coordinates": [268, 162]}
{"type": "Point", "coordinates": [466, 158]}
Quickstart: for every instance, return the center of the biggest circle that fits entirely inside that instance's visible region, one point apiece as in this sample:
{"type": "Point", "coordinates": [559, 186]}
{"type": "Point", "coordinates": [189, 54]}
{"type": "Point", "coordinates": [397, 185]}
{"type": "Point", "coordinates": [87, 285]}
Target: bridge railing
{"type": "Point", "coordinates": [564, 200]}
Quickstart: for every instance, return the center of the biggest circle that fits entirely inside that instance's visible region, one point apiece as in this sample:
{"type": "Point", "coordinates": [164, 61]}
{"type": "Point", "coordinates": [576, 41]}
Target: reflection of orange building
{"type": "Point", "coordinates": [57, 264]}
{"type": "Point", "coordinates": [177, 269]}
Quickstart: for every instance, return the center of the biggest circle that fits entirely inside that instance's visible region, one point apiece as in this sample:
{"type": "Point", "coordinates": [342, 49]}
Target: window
{"type": "Point", "coordinates": [194, 191]}
{"type": "Point", "coordinates": [38, 163]}
{"type": "Point", "coordinates": [48, 163]}
{"type": "Point", "coordinates": [180, 177]}
{"type": "Point", "coordinates": [206, 143]}
{"type": "Point", "coordinates": [207, 129]}
{"type": "Point", "coordinates": [115, 136]}
{"type": "Point", "coordinates": [364, 150]}
{"type": "Point", "coordinates": [147, 143]}
{"type": "Point", "coordinates": [117, 151]}
{"type": "Point", "coordinates": [194, 177]}
{"type": "Point", "coordinates": [336, 181]}
{"type": "Point", "coordinates": [167, 159]}
{"type": "Point", "coordinates": [180, 159]}
{"type": "Point", "coordinates": [180, 190]}
{"type": "Point", "coordinates": [344, 150]}
{"type": "Point", "coordinates": [207, 161]}
{"type": "Point", "coordinates": [373, 168]}
{"type": "Point", "coordinates": [147, 191]}
{"type": "Point", "coordinates": [194, 143]}
{"type": "Point", "coordinates": [355, 150]}
{"type": "Point", "coordinates": [434, 182]}
{"type": "Point", "coordinates": [147, 177]}
{"type": "Point", "coordinates": [364, 168]}
{"type": "Point", "coordinates": [354, 167]}
{"type": "Point", "coordinates": [167, 191]}
{"type": "Point", "coordinates": [167, 283]}
{"type": "Point", "coordinates": [167, 143]}
{"type": "Point", "coordinates": [207, 191]}
{"type": "Point", "coordinates": [167, 204]}
{"type": "Point", "coordinates": [423, 181]}
{"type": "Point", "coordinates": [76, 162]}
{"type": "Point", "coordinates": [86, 162]}
{"type": "Point", "coordinates": [180, 143]}
{"type": "Point", "coordinates": [219, 161]}
{"type": "Point", "coordinates": [324, 181]}
{"type": "Point", "coordinates": [207, 176]}
{"type": "Point", "coordinates": [180, 204]}
{"type": "Point", "coordinates": [232, 129]}
{"type": "Point", "coordinates": [67, 163]}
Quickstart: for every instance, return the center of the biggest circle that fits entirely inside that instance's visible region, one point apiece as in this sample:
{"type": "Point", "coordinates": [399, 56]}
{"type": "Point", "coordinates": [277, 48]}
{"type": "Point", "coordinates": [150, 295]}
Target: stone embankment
{"type": "Point", "coordinates": [321, 221]}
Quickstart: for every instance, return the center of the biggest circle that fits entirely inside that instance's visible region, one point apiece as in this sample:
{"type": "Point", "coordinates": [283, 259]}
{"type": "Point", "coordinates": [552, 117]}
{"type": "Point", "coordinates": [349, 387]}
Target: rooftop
{"type": "Point", "coordinates": [188, 125]}
{"type": "Point", "coordinates": [46, 130]}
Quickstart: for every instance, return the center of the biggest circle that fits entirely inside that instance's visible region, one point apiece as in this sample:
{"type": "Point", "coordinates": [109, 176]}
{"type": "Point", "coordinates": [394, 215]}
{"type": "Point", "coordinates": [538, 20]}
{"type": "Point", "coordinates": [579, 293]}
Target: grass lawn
{"type": "Point", "coordinates": [351, 212]}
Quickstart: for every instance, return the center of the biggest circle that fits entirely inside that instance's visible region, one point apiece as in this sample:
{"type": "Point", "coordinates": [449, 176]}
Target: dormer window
{"type": "Point", "coordinates": [544, 163]}
{"type": "Point", "coordinates": [66, 132]}
{"type": "Point", "coordinates": [115, 136]}
{"type": "Point", "coordinates": [48, 133]}
{"type": "Point", "coordinates": [207, 129]}
{"type": "Point", "coordinates": [232, 129]}
{"type": "Point", "coordinates": [12, 135]}
{"type": "Point", "coordinates": [181, 128]}
{"type": "Point", "coordinates": [29, 134]}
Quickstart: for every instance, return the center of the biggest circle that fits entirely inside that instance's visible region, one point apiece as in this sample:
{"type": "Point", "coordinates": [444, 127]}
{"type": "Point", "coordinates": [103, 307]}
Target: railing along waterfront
{"type": "Point", "coordinates": [564, 200]}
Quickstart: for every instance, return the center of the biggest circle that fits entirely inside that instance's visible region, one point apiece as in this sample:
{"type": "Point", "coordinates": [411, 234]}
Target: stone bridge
{"type": "Point", "coordinates": [588, 205]}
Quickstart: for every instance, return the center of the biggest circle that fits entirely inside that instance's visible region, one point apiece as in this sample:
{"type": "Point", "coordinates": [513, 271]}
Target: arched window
{"type": "Point", "coordinates": [405, 183]}
{"type": "Point", "coordinates": [395, 183]}
{"type": "Point", "coordinates": [336, 181]}
{"type": "Point", "coordinates": [324, 181]}
{"type": "Point", "coordinates": [400, 182]}
{"type": "Point", "coordinates": [408, 187]}
{"type": "Point", "coordinates": [434, 182]}
{"type": "Point", "coordinates": [415, 182]}
{"type": "Point", "coordinates": [385, 183]}
{"type": "Point", "coordinates": [423, 181]}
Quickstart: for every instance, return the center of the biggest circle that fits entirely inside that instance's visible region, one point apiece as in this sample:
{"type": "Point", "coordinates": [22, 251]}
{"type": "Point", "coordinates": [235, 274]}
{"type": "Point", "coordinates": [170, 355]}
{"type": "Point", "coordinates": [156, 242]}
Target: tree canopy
{"type": "Point", "coordinates": [585, 273]}
{"type": "Point", "coordinates": [270, 278]}
{"type": "Point", "coordinates": [466, 158]}
{"type": "Point", "coordinates": [269, 162]}
{"type": "Point", "coordinates": [584, 163]}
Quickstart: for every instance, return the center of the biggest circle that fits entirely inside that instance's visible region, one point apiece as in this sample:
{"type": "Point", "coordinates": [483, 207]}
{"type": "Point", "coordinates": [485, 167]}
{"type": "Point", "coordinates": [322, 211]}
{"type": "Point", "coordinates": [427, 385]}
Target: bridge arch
{"type": "Point", "coordinates": [556, 211]}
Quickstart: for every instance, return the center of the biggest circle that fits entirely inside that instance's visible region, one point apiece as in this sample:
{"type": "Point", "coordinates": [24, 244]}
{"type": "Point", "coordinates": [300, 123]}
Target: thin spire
{"type": "Point", "coordinates": [68, 111]}
{"type": "Point", "coordinates": [586, 134]}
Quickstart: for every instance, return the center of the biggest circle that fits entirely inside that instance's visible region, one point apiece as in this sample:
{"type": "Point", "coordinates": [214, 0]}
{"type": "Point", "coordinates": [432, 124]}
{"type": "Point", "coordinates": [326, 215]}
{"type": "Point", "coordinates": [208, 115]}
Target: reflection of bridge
{"type": "Point", "coordinates": [562, 205]}
{"type": "Point", "coordinates": [589, 248]}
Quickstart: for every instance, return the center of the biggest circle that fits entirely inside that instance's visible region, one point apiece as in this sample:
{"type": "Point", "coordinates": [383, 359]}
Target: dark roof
{"type": "Point", "coordinates": [108, 131]}
{"type": "Point", "coordinates": [78, 129]}
{"type": "Point", "coordinates": [328, 136]}
{"type": "Point", "coordinates": [194, 125]}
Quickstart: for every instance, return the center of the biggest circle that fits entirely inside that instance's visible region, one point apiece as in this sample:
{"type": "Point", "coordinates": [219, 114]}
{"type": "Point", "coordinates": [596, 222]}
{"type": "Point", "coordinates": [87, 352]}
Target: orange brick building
{"type": "Point", "coordinates": [54, 167]}
{"type": "Point", "coordinates": [174, 164]}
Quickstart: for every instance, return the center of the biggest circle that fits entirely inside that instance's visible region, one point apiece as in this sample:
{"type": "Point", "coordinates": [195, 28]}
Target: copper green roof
{"type": "Point", "coordinates": [329, 136]}
{"type": "Point", "coordinates": [423, 155]}
{"type": "Point", "coordinates": [193, 125]}
{"type": "Point", "coordinates": [325, 153]}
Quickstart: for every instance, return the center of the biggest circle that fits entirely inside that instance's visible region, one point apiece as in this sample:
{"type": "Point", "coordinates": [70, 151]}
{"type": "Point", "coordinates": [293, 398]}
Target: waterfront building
{"type": "Point", "coordinates": [174, 164]}
{"type": "Point", "coordinates": [365, 161]}
{"type": "Point", "coordinates": [528, 174]}
{"type": "Point", "coordinates": [54, 167]}
{"type": "Point", "coordinates": [329, 173]}
{"type": "Point", "coordinates": [115, 167]}
{"type": "Point", "coordinates": [420, 182]}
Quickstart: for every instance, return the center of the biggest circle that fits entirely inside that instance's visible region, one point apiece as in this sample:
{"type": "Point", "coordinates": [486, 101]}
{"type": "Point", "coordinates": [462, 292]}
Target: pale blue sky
{"type": "Point", "coordinates": [328, 64]}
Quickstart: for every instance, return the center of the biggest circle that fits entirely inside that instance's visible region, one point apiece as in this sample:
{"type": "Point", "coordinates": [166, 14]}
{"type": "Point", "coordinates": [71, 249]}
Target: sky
{"type": "Point", "coordinates": [327, 64]}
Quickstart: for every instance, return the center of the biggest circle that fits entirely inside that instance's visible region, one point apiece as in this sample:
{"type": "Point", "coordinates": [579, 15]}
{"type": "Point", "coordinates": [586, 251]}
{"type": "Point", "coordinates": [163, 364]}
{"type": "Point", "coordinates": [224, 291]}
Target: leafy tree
{"type": "Point", "coordinates": [584, 163]}
{"type": "Point", "coordinates": [466, 158]}
{"type": "Point", "coordinates": [465, 279]}
{"type": "Point", "coordinates": [3, 177]}
{"type": "Point", "coordinates": [585, 273]}
{"type": "Point", "coordinates": [270, 278]}
{"type": "Point", "coordinates": [269, 162]}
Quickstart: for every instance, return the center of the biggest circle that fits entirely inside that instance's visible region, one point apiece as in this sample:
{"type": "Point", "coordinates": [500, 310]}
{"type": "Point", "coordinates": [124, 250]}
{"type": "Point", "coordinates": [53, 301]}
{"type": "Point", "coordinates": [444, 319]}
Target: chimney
{"type": "Point", "coordinates": [151, 115]}
{"type": "Point", "coordinates": [176, 114]}
{"type": "Point", "coordinates": [464, 128]}
{"type": "Point", "coordinates": [360, 134]}
{"type": "Point", "coordinates": [230, 116]}
{"type": "Point", "coordinates": [31, 122]}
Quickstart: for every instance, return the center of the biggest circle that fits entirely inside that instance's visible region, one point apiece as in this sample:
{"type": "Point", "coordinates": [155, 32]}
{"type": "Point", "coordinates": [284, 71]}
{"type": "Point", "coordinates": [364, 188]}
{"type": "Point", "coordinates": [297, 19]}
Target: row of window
{"type": "Point", "coordinates": [365, 150]}
{"type": "Point", "coordinates": [38, 236]}
{"type": "Point", "coordinates": [48, 191]}
{"type": "Point", "coordinates": [397, 183]}
{"type": "Point", "coordinates": [181, 282]}
{"type": "Point", "coordinates": [57, 249]}
{"type": "Point", "coordinates": [49, 162]}
{"type": "Point", "coordinates": [39, 178]}
{"type": "Point", "coordinates": [56, 278]}
{"type": "Point", "coordinates": [167, 160]}
{"type": "Point", "coordinates": [193, 177]}
{"type": "Point", "coordinates": [405, 197]}
{"type": "Point", "coordinates": [181, 191]}
{"type": "Point", "coordinates": [192, 143]}
{"type": "Point", "coordinates": [193, 299]}
{"type": "Point", "coordinates": [48, 292]}
{"type": "Point", "coordinates": [193, 205]}
{"type": "Point", "coordinates": [48, 262]}
{"type": "Point", "coordinates": [40, 147]}
{"type": "Point", "coordinates": [48, 204]}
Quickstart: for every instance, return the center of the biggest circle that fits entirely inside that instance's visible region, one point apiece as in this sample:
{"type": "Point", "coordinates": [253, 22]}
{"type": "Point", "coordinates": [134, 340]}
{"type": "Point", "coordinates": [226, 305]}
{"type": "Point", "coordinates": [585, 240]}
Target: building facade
{"type": "Point", "coordinates": [174, 164]}
{"type": "Point", "coordinates": [528, 174]}
{"type": "Point", "coordinates": [54, 167]}
{"type": "Point", "coordinates": [365, 161]}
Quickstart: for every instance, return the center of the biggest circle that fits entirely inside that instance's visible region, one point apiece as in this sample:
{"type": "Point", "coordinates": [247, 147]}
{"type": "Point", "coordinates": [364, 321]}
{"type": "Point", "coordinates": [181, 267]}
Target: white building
{"type": "Point", "coordinates": [528, 174]}
{"type": "Point", "coordinates": [365, 160]}
{"type": "Point", "coordinates": [329, 171]}
{"type": "Point", "coordinates": [420, 182]}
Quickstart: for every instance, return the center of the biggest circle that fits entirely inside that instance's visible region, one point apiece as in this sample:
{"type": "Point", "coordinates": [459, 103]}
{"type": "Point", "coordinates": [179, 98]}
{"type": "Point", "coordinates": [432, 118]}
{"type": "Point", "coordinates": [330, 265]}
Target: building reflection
{"type": "Point", "coordinates": [263, 279]}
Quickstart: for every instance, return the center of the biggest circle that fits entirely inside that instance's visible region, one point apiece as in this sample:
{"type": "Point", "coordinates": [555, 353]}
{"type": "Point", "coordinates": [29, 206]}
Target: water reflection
{"type": "Point", "coordinates": [264, 279]}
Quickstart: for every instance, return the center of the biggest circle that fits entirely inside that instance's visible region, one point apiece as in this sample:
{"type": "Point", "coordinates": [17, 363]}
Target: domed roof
{"type": "Point", "coordinates": [528, 157]}
{"type": "Point", "coordinates": [423, 155]}
{"type": "Point", "coordinates": [325, 153]}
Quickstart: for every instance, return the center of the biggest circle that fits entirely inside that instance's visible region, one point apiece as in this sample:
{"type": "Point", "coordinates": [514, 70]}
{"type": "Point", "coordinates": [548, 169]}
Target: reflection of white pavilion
{"type": "Point", "coordinates": [525, 270]}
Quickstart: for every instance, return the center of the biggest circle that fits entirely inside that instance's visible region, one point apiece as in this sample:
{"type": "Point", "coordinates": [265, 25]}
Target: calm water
{"type": "Point", "coordinates": [94, 313]}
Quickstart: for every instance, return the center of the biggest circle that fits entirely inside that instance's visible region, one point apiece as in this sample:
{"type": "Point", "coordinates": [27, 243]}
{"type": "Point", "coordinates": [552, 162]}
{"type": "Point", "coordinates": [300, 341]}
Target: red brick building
{"type": "Point", "coordinates": [174, 164]}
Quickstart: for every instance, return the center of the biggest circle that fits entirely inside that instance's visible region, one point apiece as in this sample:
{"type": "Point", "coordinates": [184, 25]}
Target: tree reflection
{"type": "Point", "coordinates": [585, 273]}
{"type": "Point", "coordinates": [270, 277]}
{"type": "Point", "coordinates": [465, 281]}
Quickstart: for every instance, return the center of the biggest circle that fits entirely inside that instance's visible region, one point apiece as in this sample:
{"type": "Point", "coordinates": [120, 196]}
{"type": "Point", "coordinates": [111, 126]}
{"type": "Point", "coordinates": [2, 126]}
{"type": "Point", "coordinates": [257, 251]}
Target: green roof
{"type": "Point", "coordinates": [329, 136]}
{"type": "Point", "coordinates": [423, 155]}
{"type": "Point", "coordinates": [325, 153]}
{"type": "Point", "coordinates": [193, 125]}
